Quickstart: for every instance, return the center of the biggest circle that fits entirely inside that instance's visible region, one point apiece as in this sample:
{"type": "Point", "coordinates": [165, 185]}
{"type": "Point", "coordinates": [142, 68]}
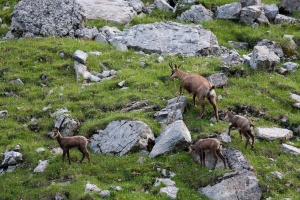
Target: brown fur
{"type": "Point", "coordinates": [243, 124]}
{"type": "Point", "coordinates": [198, 86]}
{"type": "Point", "coordinates": [70, 142]}
{"type": "Point", "coordinates": [212, 144]}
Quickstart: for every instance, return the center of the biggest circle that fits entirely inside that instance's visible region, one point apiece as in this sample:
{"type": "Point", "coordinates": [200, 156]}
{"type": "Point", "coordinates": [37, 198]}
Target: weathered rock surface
{"type": "Point", "coordinates": [172, 112]}
{"type": "Point", "coordinates": [174, 137]}
{"type": "Point", "coordinates": [170, 190]}
{"type": "Point", "coordinates": [249, 14]}
{"type": "Point", "coordinates": [218, 79]}
{"type": "Point", "coordinates": [3, 113]}
{"type": "Point", "coordinates": [168, 38]}
{"type": "Point", "coordinates": [237, 185]}
{"type": "Point", "coordinates": [290, 149]}
{"type": "Point", "coordinates": [67, 126]}
{"type": "Point", "coordinates": [229, 11]}
{"type": "Point", "coordinates": [246, 3]}
{"type": "Point", "coordinates": [43, 164]}
{"type": "Point", "coordinates": [197, 13]}
{"type": "Point", "coordinates": [236, 160]}
{"type": "Point", "coordinates": [11, 158]}
{"type": "Point", "coordinates": [270, 10]}
{"type": "Point", "coordinates": [273, 133]}
{"type": "Point", "coordinates": [120, 137]}
{"type": "Point", "coordinates": [288, 6]}
{"type": "Point", "coordinates": [263, 59]}
{"type": "Point", "coordinates": [284, 19]}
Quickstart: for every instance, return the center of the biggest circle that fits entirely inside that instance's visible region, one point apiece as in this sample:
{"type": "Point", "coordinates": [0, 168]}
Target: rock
{"type": "Point", "coordinates": [41, 149]}
{"type": "Point", "coordinates": [48, 17]}
{"type": "Point", "coordinates": [11, 158]}
{"type": "Point", "coordinates": [237, 185]}
{"type": "Point", "coordinates": [246, 3]}
{"type": "Point", "coordinates": [3, 113]}
{"type": "Point", "coordinates": [140, 106]}
{"type": "Point", "coordinates": [197, 13]}
{"type": "Point", "coordinates": [218, 79]}
{"type": "Point", "coordinates": [170, 190]}
{"type": "Point", "coordinates": [239, 45]}
{"type": "Point", "coordinates": [290, 149]}
{"type": "Point", "coordinates": [80, 56]}
{"type": "Point", "coordinates": [105, 194]}
{"type": "Point", "coordinates": [116, 188]}
{"type": "Point", "coordinates": [121, 84]}
{"type": "Point", "coordinates": [263, 59]}
{"type": "Point", "coordinates": [224, 137]}
{"type": "Point", "coordinates": [17, 82]}
{"type": "Point", "coordinates": [270, 10]}
{"type": "Point", "coordinates": [273, 133]}
{"type": "Point", "coordinates": [289, 48]}
{"type": "Point", "coordinates": [229, 11]}
{"type": "Point", "coordinates": [56, 151]}
{"type": "Point", "coordinates": [169, 38]}
{"type": "Point", "coordinates": [288, 6]}
{"type": "Point", "coordinates": [163, 5]}
{"type": "Point", "coordinates": [236, 160]}
{"type": "Point", "coordinates": [59, 112]}
{"type": "Point", "coordinates": [262, 20]}
{"type": "Point", "coordinates": [175, 136]}
{"type": "Point", "coordinates": [91, 188]}
{"type": "Point", "coordinates": [88, 33]}
{"type": "Point", "coordinates": [160, 59]}
{"type": "Point", "coordinates": [121, 137]}
{"type": "Point", "coordinates": [277, 175]}
{"type": "Point", "coordinates": [249, 14]}
{"type": "Point", "coordinates": [272, 46]}
{"type": "Point", "coordinates": [290, 66]}
{"type": "Point", "coordinates": [81, 71]}
{"type": "Point", "coordinates": [284, 19]}
{"type": "Point", "coordinates": [66, 125]}
{"type": "Point", "coordinates": [42, 166]}
{"type": "Point", "coordinates": [172, 112]}
{"type": "Point", "coordinates": [231, 57]}
{"type": "Point", "coordinates": [119, 12]}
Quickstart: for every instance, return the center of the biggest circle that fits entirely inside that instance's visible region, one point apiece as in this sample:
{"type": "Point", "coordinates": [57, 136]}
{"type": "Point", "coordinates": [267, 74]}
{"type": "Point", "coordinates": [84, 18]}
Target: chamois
{"type": "Point", "coordinates": [198, 86]}
{"type": "Point", "coordinates": [243, 124]}
{"type": "Point", "coordinates": [69, 142]}
{"type": "Point", "coordinates": [212, 144]}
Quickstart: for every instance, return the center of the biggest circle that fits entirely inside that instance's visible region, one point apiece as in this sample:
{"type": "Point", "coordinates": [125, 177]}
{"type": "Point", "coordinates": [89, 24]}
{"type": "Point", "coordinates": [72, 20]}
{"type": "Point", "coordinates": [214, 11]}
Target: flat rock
{"type": "Point", "coordinates": [273, 133]}
{"type": "Point", "coordinates": [290, 149]}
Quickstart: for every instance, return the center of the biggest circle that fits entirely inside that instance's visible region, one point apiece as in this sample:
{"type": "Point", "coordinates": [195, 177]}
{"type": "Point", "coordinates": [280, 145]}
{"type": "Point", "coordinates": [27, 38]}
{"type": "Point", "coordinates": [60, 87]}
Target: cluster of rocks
{"type": "Point", "coordinates": [12, 159]}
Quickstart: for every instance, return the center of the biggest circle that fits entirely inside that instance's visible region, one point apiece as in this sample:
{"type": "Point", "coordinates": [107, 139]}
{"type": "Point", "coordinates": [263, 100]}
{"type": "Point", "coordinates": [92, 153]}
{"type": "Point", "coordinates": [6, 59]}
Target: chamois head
{"type": "Point", "coordinates": [55, 132]}
{"type": "Point", "coordinates": [174, 69]}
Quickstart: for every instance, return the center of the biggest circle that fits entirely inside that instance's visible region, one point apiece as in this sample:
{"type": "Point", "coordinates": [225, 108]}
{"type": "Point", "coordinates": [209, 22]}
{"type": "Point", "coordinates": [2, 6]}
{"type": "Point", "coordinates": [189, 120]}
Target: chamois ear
{"type": "Point", "coordinates": [171, 65]}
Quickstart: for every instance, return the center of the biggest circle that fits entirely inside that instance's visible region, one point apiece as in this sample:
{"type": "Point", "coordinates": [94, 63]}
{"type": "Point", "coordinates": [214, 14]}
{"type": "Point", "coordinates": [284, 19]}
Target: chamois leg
{"type": "Point", "coordinates": [180, 90]}
{"type": "Point", "coordinates": [64, 154]}
{"type": "Point", "coordinates": [220, 154]}
{"type": "Point", "coordinates": [202, 103]}
{"type": "Point", "coordinates": [216, 159]}
{"type": "Point", "coordinates": [230, 127]}
{"type": "Point", "coordinates": [212, 101]}
{"type": "Point", "coordinates": [68, 154]}
{"type": "Point", "coordinates": [247, 137]}
{"type": "Point", "coordinates": [201, 158]}
{"type": "Point", "coordinates": [252, 137]}
{"type": "Point", "coordinates": [83, 154]}
{"type": "Point", "coordinates": [241, 135]}
{"type": "Point", "coordinates": [194, 99]}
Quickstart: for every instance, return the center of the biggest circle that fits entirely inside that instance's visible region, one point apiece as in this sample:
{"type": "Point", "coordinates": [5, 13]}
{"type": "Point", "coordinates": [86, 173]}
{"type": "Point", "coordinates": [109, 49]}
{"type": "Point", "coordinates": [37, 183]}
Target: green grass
{"type": "Point", "coordinates": [97, 105]}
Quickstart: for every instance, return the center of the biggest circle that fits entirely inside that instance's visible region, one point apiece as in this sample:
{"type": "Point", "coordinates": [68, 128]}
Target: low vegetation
{"type": "Point", "coordinates": [100, 103]}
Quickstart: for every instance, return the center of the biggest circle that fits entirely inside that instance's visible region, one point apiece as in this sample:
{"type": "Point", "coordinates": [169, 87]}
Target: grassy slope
{"type": "Point", "coordinates": [97, 105]}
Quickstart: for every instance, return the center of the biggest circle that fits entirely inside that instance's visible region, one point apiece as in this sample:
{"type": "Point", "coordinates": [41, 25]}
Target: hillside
{"type": "Point", "coordinates": [261, 95]}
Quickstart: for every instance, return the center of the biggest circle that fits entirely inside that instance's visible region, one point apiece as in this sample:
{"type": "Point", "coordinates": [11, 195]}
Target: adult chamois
{"type": "Point", "coordinates": [198, 86]}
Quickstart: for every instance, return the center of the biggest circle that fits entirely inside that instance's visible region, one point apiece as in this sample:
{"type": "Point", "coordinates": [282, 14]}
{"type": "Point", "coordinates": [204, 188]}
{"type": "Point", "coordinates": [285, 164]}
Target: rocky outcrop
{"type": "Point", "coordinates": [121, 137]}
{"type": "Point", "coordinates": [168, 38]}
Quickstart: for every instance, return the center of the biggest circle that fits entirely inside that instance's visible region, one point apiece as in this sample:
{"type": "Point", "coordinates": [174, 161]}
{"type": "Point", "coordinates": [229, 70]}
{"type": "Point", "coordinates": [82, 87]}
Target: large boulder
{"type": "Point", "coordinates": [249, 14]}
{"type": "Point", "coordinates": [236, 185]}
{"type": "Point", "coordinates": [169, 38]}
{"type": "Point", "coordinates": [229, 11]}
{"type": "Point", "coordinates": [174, 137]}
{"type": "Point", "coordinates": [67, 126]}
{"type": "Point", "coordinates": [270, 10]}
{"type": "Point", "coordinates": [288, 6]}
{"type": "Point", "coordinates": [121, 137]}
{"type": "Point", "coordinates": [273, 133]}
{"type": "Point", "coordinates": [46, 17]}
{"type": "Point", "coordinates": [263, 59]}
{"type": "Point", "coordinates": [197, 13]}
{"type": "Point", "coordinates": [246, 3]}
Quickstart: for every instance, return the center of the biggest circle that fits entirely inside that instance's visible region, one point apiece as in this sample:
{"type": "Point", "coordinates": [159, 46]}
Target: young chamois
{"type": "Point", "coordinates": [243, 124]}
{"type": "Point", "coordinates": [198, 86]}
{"type": "Point", "coordinates": [69, 142]}
{"type": "Point", "coordinates": [212, 144]}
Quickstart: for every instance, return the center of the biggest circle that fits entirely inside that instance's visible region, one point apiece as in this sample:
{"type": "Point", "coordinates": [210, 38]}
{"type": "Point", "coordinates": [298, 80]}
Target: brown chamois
{"type": "Point", "coordinates": [69, 142]}
{"type": "Point", "coordinates": [212, 144]}
{"type": "Point", "coordinates": [198, 86]}
{"type": "Point", "coordinates": [243, 124]}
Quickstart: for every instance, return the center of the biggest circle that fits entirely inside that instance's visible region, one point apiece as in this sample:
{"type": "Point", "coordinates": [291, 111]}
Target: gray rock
{"type": "Point", "coordinates": [218, 79]}
{"type": "Point", "coordinates": [88, 33]}
{"type": "Point", "coordinates": [175, 136]}
{"type": "Point", "coordinates": [236, 160]}
{"type": "Point", "coordinates": [277, 175]}
{"type": "Point", "coordinates": [140, 106]}
{"type": "Point", "coordinates": [11, 158]}
{"type": "Point", "coordinates": [91, 188]}
{"type": "Point", "coordinates": [17, 82]}
{"type": "Point", "coordinates": [246, 3]}
{"type": "Point", "coordinates": [119, 12]}
{"type": "Point", "coordinates": [169, 38]}
{"type": "Point", "coordinates": [290, 66]}
{"type": "Point", "coordinates": [3, 113]}
{"type": "Point", "coordinates": [249, 14]}
{"type": "Point", "coordinates": [137, 5]}
{"type": "Point", "coordinates": [116, 188]}
{"type": "Point", "coordinates": [239, 45]}
{"type": "Point", "coordinates": [231, 57]}
{"type": "Point", "coordinates": [263, 59]}
{"type": "Point", "coordinates": [41, 166]}
{"type": "Point", "coordinates": [59, 112]}
{"type": "Point", "coordinates": [224, 137]}
{"type": "Point", "coordinates": [48, 17]}
{"type": "Point", "coordinates": [120, 137]}
{"type": "Point", "coordinates": [273, 133]}
{"type": "Point", "coordinates": [284, 19]}
{"type": "Point", "coordinates": [105, 194]}
{"type": "Point", "coordinates": [81, 71]}
{"type": "Point", "coordinates": [290, 149]}
{"type": "Point", "coordinates": [197, 13]}
{"type": "Point", "coordinates": [288, 6]}
{"type": "Point", "coordinates": [229, 11]}
{"type": "Point", "coordinates": [66, 125]}
{"type": "Point", "coordinates": [172, 112]}
{"type": "Point", "coordinates": [270, 10]}
{"type": "Point", "coordinates": [273, 46]}
{"type": "Point", "coordinates": [170, 190]}
{"type": "Point", "coordinates": [238, 185]}
{"type": "Point", "coordinates": [163, 5]}
{"type": "Point", "coordinates": [80, 56]}
{"type": "Point", "coordinates": [262, 20]}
